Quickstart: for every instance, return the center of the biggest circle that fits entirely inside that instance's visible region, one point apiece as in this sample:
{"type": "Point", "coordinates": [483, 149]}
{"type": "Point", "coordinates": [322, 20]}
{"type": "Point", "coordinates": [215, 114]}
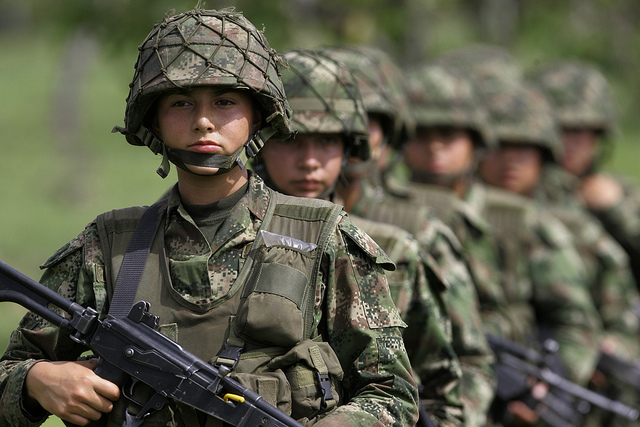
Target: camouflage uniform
{"type": "Point", "coordinates": [435, 238]}
{"type": "Point", "coordinates": [203, 254]}
{"type": "Point", "coordinates": [581, 98]}
{"type": "Point", "coordinates": [415, 284]}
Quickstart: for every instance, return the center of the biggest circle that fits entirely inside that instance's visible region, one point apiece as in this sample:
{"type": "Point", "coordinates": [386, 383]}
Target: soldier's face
{"type": "Point", "coordinates": [579, 149]}
{"type": "Point", "coordinates": [307, 166]}
{"type": "Point", "coordinates": [210, 120]}
{"type": "Point", "coordinates": [514, 167]}
{"type": "Point", "coordinates": [439, 151]}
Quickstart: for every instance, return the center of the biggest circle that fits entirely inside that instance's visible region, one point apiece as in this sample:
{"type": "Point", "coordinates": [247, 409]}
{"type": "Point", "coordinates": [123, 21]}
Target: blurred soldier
{"type": "Point", "coordinates": [386, 102]}
{"type": "Point", "coordinates": [526, 305]}
{"type": "Point", "coordinates": [584, 109]}
{"type": "Point", "coordinates": [528, 143]}
{"type": "Point", "coordinates": [331, 126]}
{"type": "Point", "coordinates": [286, 293]}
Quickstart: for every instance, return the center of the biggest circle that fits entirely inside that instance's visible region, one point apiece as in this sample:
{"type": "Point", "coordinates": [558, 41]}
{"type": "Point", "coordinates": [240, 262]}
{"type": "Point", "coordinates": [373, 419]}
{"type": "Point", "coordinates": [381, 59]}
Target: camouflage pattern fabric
{"type": "Point", "coordinates": [441, 96]}
{"type": "Point", "coordinates": [325, 99]}
{"type": "Point", "coordinates": [460, 298]}
{"type": "Point", "coordinates": [622, 221]}
{"type": "Point", "coordinates": [579, 93]}
{"type": "Point", "coordinates": [381, 86]}
{"type": "Point", "coordinates": [492, 68]}
{"type": "Point", "coordinates": [546, 294]}
{"type": "Point", "coordinates": [353, 311]}
{"type": "Point", "coordinates": [199, 48]}
{"type": "Point", "coordinates": [418, 289]}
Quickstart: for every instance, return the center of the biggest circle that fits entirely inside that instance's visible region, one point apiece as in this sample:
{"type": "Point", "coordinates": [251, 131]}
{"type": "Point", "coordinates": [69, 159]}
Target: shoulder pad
{"type": "Point", "coordinates": [72, 246]}
{"type": "Point", "coordinates": [366, 243]}
{"type": "Point", "coordinates": [553, 232]}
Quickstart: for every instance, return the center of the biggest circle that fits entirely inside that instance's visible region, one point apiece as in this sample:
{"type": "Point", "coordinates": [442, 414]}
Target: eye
{"type": "Point", "coordinates": [330, 140]}
{"type": "Point", "coordinates": [225, 102]}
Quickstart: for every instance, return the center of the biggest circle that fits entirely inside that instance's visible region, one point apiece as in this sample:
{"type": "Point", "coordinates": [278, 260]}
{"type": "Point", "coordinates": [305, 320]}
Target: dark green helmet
{"type": "Point", "coordinates": [579, 93]}
{"type": "Point", "coordinates": [440, 96]}
{"type": "Point", "coordinates": [203, 48]}
{"type": "Point", "coordinates": [522, 115]}
{"type": "Point", "coordinates": [381, 85]}
{"type": "Point", "coordinates": [324, 97]}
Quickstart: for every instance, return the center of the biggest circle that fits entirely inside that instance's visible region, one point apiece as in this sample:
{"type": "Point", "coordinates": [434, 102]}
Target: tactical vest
{"type": "Point", "coordinates": [269, 311]}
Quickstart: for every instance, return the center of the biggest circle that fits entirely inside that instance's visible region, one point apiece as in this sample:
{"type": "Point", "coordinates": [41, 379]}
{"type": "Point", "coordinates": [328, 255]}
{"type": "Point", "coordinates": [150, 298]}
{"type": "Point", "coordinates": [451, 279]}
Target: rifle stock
{"type": "Point", "coordinates": [130, 348]}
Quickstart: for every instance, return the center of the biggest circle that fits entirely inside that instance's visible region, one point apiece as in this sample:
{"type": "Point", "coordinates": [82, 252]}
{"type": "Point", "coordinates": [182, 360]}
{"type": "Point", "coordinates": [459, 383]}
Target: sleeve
{"type": "Point", "coordinates": [564, 304]}
{"type": "Point", "coordinates": [36, 339]}
{"type": "Point", "coordinates": [364, 328]}
{"type": "Point", "coordinates": [477, 386]}
{"type": "Point", "coordinates": [622, 221]}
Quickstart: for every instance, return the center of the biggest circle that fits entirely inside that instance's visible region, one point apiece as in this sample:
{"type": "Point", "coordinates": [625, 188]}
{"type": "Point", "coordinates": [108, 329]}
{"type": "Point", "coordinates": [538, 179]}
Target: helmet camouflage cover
{"type": "Point", "coordinates": [324, 97]}
{"type": "Point", "coordinates": [440, 96]}
{"type": "Point", "coordinates": [492, 68]}
{"type": "Point", "coordinates": [522, 115]}
{"type": "Point", "coordinates": [381, 86]}
{"type": "Point", "coordinates": [202, 48]}
{"type": "Point", "coordinates": [579, 93]}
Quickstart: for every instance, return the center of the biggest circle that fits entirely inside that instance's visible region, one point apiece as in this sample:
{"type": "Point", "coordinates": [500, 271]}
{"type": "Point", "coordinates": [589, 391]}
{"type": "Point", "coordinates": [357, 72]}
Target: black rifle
{"type": "Point", "coordinates": [626, 371]}
{"type": "Point", "coordinates": [131, 351]}
{"type": "Point", "coordinates": [515, 364]}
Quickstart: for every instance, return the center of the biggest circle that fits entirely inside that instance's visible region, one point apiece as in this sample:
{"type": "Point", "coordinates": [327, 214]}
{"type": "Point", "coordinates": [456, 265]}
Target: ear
{"type": "Point", "coordinates": [256, 123]}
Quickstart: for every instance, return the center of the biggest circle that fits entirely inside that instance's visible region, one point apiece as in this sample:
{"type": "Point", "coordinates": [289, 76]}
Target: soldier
{"type": "Point", "coordinates": [529, 142]}
{"type": "Point", "coordinates": [376, 77]}
{"type": "Point", "coordinates": [451, 139]}
{"type": "Point", "coordinates": [380, 83]}
{"type": "Point", "coordinates": [310, 165]}
{"type": "Point", "coordinates": [206, 95]}
{"type": "Point", "coordinates": [584, 109]}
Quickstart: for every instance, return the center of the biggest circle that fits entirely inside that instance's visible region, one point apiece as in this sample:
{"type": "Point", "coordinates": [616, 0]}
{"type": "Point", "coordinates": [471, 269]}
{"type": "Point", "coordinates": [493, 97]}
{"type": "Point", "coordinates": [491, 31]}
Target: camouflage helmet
{"type": "Point", "coordinates": [381, 85]}
{"type": "Point", "coordinates": [492, 68]}
{"type": "Point", "coordinates": [522, 115]}
{"type": "Point", "coordinates": [579, 93]}
{"type": "Point", "coordinates": [202, 48]}
{"type": "Point", "coordinates": [440, 96]}
{"type": "Point", "coordinates": [324, 97]}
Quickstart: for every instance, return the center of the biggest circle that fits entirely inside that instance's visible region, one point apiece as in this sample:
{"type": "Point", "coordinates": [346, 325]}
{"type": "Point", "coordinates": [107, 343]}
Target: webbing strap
{"type": "Point", "coordinates": [135, 260]}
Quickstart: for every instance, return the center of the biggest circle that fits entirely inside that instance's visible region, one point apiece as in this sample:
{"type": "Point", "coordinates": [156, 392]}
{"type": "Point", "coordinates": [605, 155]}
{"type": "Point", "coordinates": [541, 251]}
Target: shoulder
{"type": "Point", "coordinates": [357, 239]}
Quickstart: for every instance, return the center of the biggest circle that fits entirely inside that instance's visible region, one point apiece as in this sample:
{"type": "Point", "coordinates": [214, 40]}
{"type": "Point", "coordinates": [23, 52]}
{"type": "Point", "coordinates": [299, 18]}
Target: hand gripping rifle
{"type": "Point", "coordinates": [130, 349]}
{"type": "Point", "coordinates": [564, 404]}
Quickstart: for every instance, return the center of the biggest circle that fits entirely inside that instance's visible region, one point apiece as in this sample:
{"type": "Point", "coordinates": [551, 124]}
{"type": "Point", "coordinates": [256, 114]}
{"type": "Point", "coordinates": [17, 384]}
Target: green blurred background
{"type": "Point", "coordinates": [65, 66]}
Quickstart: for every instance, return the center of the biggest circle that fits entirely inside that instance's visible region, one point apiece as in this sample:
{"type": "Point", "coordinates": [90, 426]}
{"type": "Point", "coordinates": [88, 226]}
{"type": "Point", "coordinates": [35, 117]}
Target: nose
{"type": "Point", "coordinates": [307, 156]}
{"type": "Point", "coordinates": [203, 121]}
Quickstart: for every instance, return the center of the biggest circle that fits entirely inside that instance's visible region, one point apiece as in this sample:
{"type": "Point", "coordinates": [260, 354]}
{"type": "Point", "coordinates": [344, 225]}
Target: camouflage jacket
{"type": "Point", "coordinates": [438, 242]}
{"type": "Point", "coordinates": [622, 221]}
{"type": "Point", "coordinates": [546, 291]}
{"type": "Point", "coordinates": [353, 310]}
{"type": "Point", "coordinates": [417, 289]}
{"type": "Point", "coordinates": [608, 269]}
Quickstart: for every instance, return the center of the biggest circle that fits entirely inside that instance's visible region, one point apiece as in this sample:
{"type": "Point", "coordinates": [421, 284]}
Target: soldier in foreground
{"type": "Point", "coordinates": [326, 348]}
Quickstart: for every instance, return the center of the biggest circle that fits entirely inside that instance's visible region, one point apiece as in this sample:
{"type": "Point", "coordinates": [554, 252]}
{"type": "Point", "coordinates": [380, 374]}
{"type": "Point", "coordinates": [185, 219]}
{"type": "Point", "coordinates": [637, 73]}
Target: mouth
{"type": "Point", "coordinates": [205, 146]}
{"type": "Point", "coordinates": [307, 184]}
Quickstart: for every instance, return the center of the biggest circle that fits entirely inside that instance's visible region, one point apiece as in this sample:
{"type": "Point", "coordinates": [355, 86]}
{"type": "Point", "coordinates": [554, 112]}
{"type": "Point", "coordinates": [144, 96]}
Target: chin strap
{"type": "Point", "coordinates": [183, 158]}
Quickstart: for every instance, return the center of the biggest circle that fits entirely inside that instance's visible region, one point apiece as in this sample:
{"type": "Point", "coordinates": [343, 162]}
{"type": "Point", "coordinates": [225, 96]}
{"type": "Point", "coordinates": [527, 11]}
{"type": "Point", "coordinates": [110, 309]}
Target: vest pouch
{"type": "Point", "coordinates": [252, 371]}
{"type": "Point", "coordinates": [271, 313]}
{"type": "Point", "coordinates": [314, 374]}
